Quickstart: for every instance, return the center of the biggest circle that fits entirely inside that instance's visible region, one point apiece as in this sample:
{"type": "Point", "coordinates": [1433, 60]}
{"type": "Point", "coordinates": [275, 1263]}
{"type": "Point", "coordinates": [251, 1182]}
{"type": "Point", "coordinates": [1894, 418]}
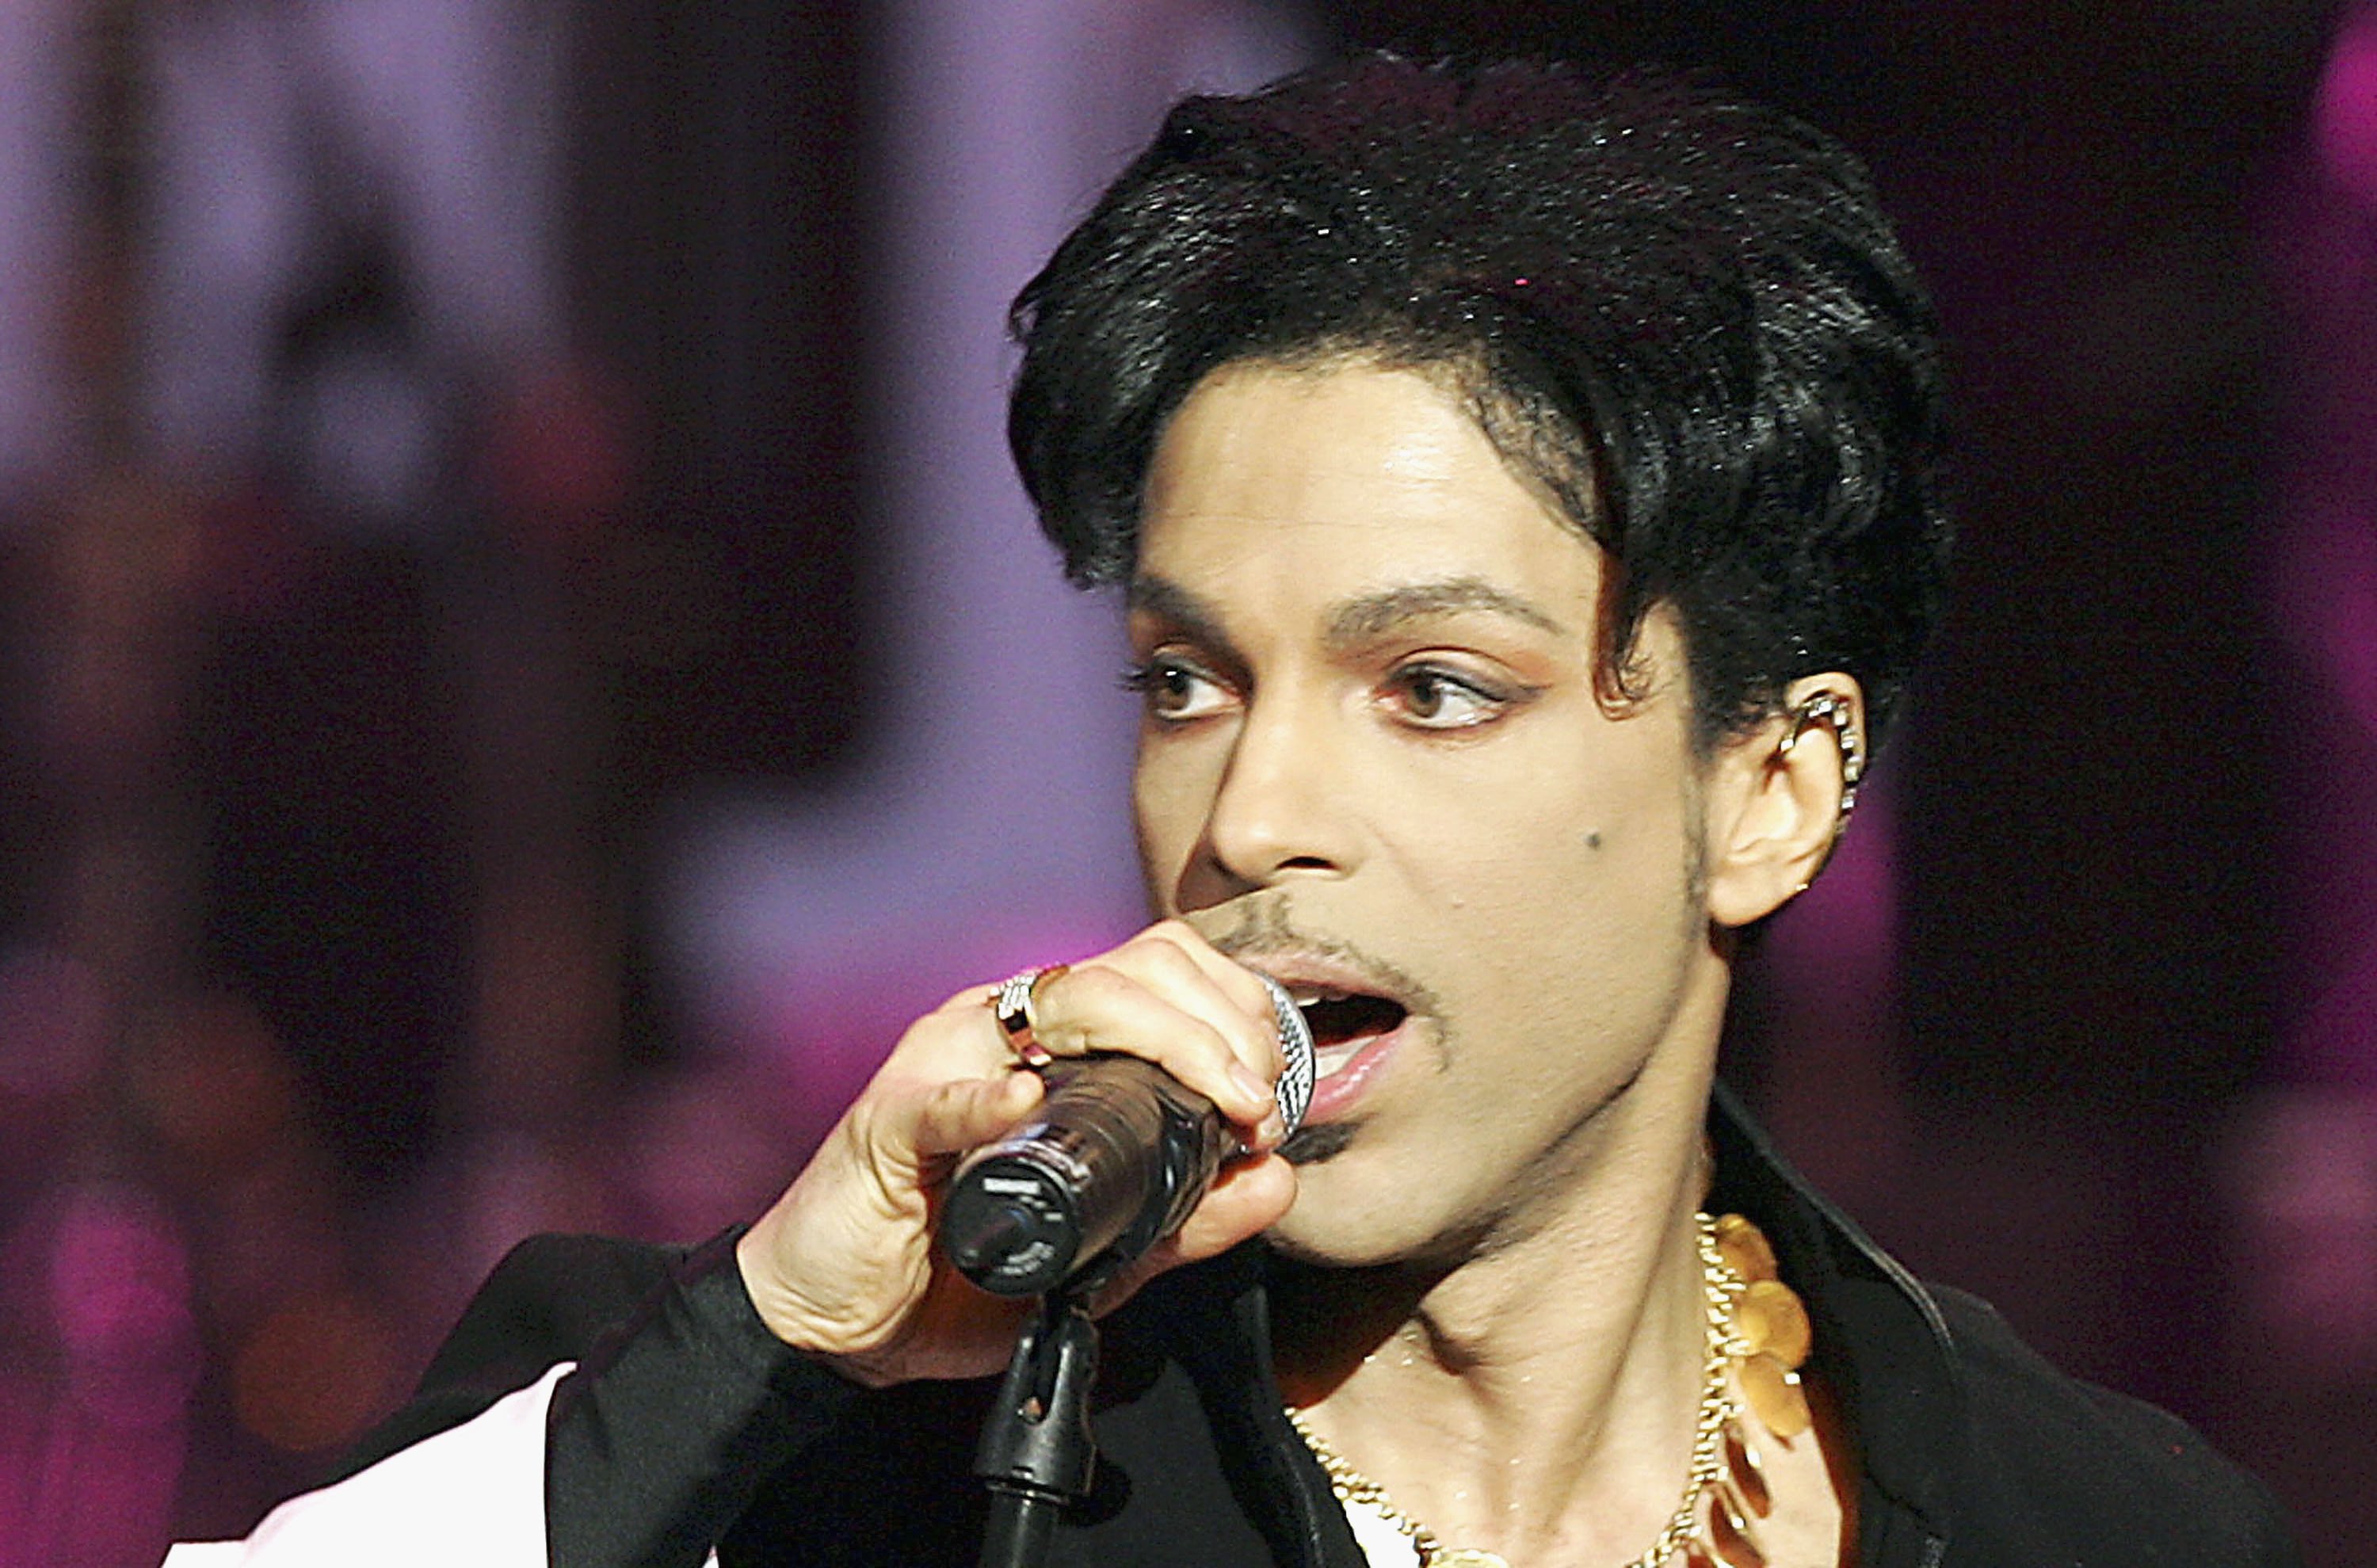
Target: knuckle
{"type": "Point", "coordinates": [1175, 931]}
{"type": "Point", "coordinates": [1069, 1004]}
{"type": "Point", "coordinates": [1176, 969]}
{"type": "Point", "coordinates": [1253, 1039]}
{"type": "Point", "coordinates": [1095, 978]}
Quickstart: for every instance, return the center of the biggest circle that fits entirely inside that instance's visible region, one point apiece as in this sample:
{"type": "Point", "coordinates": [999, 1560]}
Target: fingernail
{"type": "Point", "coordinates": [1273, 1131]}
{"type": "Point", "coordinates": [1253, 1087]}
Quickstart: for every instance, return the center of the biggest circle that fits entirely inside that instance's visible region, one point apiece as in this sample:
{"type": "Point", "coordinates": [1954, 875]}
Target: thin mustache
{"type": "Point", "coordinates": [1261, 927]}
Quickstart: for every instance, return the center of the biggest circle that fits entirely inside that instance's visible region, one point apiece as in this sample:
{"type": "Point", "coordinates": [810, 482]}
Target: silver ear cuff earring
{"type": "Point", "coordinates": [1833, 711]}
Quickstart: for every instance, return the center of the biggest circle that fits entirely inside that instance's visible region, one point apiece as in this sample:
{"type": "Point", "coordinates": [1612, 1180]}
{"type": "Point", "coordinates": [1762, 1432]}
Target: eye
{"type": "Point", "coordinates": [1431, 697]}
{"type": "Point", "coordinates": [1174, 689]}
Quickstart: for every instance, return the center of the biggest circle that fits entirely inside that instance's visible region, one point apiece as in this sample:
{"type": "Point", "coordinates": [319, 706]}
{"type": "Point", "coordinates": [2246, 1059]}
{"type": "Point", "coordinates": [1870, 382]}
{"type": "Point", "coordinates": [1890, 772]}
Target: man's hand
{"type": "Point", "coordinates": [844, 1266]}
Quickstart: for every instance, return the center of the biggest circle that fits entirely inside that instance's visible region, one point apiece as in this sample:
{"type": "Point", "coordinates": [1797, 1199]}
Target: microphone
{"type": "Point", "coordinates": [1110, 1163]}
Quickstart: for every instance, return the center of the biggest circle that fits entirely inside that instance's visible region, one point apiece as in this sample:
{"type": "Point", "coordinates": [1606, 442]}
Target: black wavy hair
{"type": "Point", "coordinates": [1681, 313]}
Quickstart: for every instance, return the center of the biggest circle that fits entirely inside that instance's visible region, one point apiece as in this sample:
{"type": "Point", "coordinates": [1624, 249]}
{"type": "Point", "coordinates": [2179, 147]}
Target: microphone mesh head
{"type": "Point", "coordinates": [1295, 1048]}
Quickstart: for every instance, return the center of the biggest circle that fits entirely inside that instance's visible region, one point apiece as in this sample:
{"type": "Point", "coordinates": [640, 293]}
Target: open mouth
{"type": "Point", "coordinates": [1344, 1021]}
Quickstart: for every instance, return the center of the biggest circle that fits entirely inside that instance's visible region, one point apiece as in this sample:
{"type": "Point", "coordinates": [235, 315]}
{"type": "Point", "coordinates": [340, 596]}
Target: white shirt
{"type": "Point", "coordinates": [469, 1497]}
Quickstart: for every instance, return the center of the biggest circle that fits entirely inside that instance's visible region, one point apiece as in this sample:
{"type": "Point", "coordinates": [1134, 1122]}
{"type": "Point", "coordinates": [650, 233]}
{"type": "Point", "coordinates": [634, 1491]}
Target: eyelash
{"type": "Point", "coordinates": [1148, 676]}
{"type": "Point", "coordinates": [1492, 700]}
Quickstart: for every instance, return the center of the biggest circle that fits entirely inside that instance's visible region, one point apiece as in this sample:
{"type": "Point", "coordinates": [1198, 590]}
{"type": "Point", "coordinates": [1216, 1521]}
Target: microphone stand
{"type": "Point", "coordinates": [1036, 1454]}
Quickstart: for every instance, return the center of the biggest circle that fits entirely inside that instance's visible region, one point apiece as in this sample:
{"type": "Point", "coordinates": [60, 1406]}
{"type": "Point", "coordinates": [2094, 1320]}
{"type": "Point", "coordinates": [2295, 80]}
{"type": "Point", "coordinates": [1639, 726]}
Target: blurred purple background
{"type": "Point", "coordinates": [521, 664]}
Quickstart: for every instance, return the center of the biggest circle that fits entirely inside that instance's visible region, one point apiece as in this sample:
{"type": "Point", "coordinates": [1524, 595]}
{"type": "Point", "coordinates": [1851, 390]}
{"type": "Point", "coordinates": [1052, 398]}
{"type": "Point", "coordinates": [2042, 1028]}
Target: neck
{"type": "Point", "coordinates": [1536, 1393]}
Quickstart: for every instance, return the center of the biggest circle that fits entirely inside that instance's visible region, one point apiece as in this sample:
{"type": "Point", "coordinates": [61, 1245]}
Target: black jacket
{"type": "Point", "coordinates": [687, 1423]}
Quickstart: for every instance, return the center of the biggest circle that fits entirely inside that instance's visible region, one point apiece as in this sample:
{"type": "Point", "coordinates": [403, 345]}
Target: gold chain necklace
{"type": "Point", "coordinates": [1756, 1332]}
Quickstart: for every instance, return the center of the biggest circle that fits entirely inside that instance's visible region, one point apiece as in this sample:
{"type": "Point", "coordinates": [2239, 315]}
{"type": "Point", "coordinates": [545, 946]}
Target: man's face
{"type": "Point", "coordinates": [1375, 764]}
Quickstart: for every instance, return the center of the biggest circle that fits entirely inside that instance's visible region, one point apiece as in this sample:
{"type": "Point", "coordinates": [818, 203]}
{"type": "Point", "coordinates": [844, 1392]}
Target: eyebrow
{"type": "Point", "coordinates": [1355, 620]}
{"type": "Point", "coordinates": [1389, 609]}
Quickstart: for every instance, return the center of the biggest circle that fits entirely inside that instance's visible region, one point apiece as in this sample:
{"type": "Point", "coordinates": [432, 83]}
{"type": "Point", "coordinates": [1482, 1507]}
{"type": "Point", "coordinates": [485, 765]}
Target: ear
{"type": "Point", "coordinates": [1778, 797]}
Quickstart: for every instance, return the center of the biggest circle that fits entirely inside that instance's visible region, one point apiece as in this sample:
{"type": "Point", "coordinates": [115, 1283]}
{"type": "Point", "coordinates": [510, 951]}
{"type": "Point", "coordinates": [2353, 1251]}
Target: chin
{"type": "Point", "coordinates": [1329, 1247]}
{"type": "Point", "coordinates": [1317, 1145]}
{"type": "Point", "coordinates": [1337, 1221]}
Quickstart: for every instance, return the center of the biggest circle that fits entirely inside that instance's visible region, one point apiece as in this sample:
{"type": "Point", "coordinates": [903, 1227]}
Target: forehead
{"type": "Point", "coordinates": [1274, 485]}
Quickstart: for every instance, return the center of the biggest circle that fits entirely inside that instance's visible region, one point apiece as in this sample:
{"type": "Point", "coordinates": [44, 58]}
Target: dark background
{"type": "Point", "coordinates": [2090, 832]}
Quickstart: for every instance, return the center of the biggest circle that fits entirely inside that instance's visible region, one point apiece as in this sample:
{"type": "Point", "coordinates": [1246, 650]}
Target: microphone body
{"type": "Point", "coordinates": [1111, 1162]}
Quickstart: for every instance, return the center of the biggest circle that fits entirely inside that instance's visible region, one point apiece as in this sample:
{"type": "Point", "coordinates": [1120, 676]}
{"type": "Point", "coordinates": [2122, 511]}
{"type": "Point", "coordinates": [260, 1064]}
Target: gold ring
{"type": "Point", "coordinates": [1012, 1004]}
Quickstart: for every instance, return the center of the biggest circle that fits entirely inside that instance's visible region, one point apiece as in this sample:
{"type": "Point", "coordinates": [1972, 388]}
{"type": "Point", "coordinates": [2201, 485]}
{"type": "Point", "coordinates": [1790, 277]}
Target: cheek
{"type": "Point", "coordinates": [1550, 822]}
{"type": "Point", "coordinates": [1170, 796]}
{"type": "Point", "coordinates": [1545, 880]}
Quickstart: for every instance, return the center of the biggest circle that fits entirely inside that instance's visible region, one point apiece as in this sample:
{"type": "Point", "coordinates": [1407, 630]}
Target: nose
{"type": "Point", "coordinates": [1280, 809]}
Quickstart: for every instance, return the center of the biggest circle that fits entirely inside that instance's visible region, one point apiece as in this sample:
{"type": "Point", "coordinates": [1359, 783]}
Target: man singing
{"type": "Point", "coordinates": [1520, 483]}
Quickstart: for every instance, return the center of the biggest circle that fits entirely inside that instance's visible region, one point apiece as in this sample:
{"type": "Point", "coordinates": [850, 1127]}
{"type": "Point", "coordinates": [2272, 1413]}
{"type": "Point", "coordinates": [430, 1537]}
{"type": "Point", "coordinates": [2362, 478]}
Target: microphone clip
{"type": "Point", "coordinates": [1036, 1454]}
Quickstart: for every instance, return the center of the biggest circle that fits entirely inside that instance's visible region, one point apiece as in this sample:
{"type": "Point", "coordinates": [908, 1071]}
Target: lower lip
{"type": "Point", "coordinates": [1333, 1095]}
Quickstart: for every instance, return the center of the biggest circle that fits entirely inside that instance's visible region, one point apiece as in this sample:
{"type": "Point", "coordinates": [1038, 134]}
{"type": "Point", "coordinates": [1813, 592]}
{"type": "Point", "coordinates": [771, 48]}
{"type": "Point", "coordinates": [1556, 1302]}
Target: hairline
{"type": "Point", "coordinates": [1526, 439]}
